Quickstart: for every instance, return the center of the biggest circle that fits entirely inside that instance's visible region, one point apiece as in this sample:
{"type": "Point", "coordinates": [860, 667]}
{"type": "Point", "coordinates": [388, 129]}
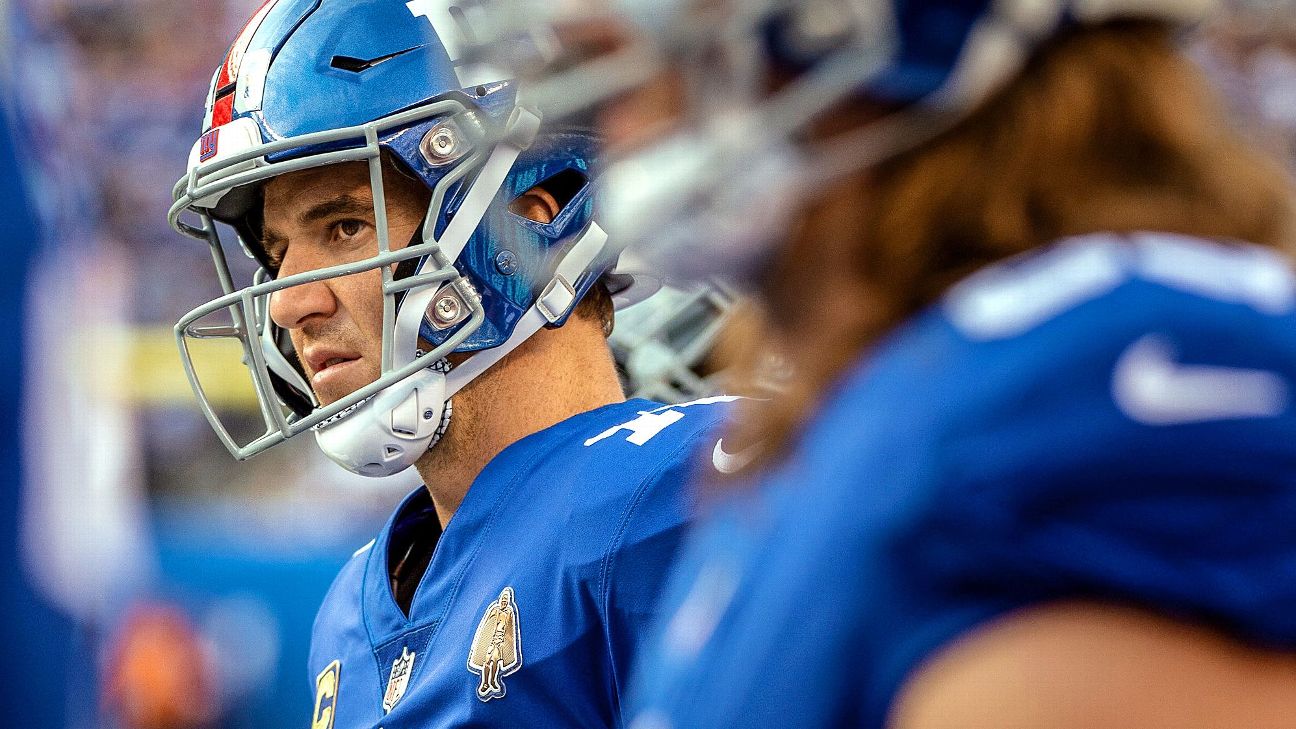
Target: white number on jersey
{"type": "Point", "coordinates": [645, 427]}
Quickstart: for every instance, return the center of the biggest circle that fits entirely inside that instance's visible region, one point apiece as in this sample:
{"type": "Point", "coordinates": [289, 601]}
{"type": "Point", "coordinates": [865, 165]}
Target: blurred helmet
{"type": "Point", "coordinates": [310, 83]}
{"type": "Point", "coordinates": [664, 344]}
{"type": "Point", "coordinates": [666, 347]}
{"type": "Point", "coordinates": [712, 197]}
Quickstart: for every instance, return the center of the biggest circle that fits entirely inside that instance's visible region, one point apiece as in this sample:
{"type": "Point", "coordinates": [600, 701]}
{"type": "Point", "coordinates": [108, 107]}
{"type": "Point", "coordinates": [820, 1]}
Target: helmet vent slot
{"type": "Point", "coordinates": [359, 65]}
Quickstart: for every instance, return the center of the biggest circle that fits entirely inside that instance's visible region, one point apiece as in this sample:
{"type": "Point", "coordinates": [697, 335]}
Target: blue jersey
{"type": "Point", "coordinates": [1107, 420]}
{"type": "Point", "coordinates": [539, 590]}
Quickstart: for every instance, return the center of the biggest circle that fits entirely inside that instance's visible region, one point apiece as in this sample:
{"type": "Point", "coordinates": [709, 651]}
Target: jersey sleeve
{"type": "Point", "coordinates": [1190, 521]}
{"type": "Point", "coordinates": [639, 558]}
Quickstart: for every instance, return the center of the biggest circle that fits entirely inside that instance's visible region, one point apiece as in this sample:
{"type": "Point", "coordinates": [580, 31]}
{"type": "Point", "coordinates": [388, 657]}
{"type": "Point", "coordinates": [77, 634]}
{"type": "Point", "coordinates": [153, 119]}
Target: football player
{"type": "Point", "coordinates": [1037, 466]}
{"type": "Point", "coordinates": [417, 237]}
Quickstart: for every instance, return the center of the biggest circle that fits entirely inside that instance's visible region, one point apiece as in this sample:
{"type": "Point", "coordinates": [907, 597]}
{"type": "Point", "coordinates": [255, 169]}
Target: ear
{"type": "Point", "coordinates": [537, 205]}
{"type": "Point", "coordinates": [551, 197]}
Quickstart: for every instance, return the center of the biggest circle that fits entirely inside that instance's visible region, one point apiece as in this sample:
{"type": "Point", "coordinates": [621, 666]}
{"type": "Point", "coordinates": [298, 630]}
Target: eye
{"type": "Point", "coordinates": [348, 228]}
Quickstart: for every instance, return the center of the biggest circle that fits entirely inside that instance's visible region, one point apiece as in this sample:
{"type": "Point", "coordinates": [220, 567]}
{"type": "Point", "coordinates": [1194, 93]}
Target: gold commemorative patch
{"type": "Point", "coordinates": [496, 650]}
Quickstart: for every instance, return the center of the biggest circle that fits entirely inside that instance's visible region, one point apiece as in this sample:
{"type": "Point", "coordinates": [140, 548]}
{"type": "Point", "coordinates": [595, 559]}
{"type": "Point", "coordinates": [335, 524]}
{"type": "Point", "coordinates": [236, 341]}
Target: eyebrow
{"type": "Point", "coordinates": [345, 204]}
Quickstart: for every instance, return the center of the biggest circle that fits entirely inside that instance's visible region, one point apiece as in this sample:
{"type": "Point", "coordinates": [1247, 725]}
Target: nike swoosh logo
{"type": "Point", "coordinates": [728, 463]}
{"type": "Point", "coordinates": [1151, 388]}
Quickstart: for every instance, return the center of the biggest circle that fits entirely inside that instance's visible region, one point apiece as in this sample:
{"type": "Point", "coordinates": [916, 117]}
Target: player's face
{"type": "Point", "coordinates": [324, 217]}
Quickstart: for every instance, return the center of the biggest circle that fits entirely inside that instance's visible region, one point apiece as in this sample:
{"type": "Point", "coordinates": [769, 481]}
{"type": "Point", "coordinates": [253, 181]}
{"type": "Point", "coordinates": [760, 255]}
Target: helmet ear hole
{"type": "Point", "coordinates": [557, 191]}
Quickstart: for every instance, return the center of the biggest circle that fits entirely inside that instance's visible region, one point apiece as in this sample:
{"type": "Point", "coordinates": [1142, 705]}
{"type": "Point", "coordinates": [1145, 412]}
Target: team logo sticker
{"type": "Point", "coordinates": [209, 145]}
{"type": "Point", "coordinates": [326, 691]}
{"type": "Point", "coordinates": [400, 675]}
{"type": "Point", "coordinates": [497, 646]}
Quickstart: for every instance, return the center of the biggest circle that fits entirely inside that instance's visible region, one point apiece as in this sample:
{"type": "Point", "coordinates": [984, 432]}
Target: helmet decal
{"type": "Point", "coordinates": [451, 21]}
{"type": "Point", "coordinates": [224, 86]}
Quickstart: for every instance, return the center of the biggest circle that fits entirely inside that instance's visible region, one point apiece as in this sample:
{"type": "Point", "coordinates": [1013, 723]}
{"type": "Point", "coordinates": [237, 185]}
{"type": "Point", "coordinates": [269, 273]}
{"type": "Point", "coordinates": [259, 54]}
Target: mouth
{"type": "Point", "coordinates": [332, 365]}
{"type": "Point", "coordinates": [331, 372]}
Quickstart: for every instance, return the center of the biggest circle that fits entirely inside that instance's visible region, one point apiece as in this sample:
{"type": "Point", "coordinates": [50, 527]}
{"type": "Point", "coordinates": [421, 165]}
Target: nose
{"type": "Point", "coordinates": [294, 307]}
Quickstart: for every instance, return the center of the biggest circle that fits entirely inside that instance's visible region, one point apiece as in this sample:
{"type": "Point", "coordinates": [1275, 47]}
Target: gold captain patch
{"type": "Point", "coordinates": [496, 650]}
{"type": "Point", "coordinates": [326, 691]}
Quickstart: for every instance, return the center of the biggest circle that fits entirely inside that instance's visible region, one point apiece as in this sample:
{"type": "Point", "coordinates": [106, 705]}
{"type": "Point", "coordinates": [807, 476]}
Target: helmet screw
{"type": "Point", "coordinates": [506, 263]}
{"type": "Point", "coordinates": [427, 414]}
{"type": "Point", "coordinates": [443, 142]}
{"type": "Point", "coordinates": [447, 309]}
{"type": "Point", "coordinates": [441, 145]}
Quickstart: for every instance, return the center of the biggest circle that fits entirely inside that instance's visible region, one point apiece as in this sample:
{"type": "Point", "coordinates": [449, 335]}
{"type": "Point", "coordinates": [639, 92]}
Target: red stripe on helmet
{"type": "Point", "coordinates": [223, 112]}
{"type": "Point", "coordinates": [229, 70]}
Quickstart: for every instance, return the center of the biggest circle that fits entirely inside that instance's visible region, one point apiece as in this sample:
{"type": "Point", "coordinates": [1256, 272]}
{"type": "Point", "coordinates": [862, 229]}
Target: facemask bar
{"type": "Point", "coordinates": [220, 176]}
{"type": "Point", "coordinates": [275, 359]}
{"type": "Point", "coordinates": [244, 307]}
{"type": "Point", "coordinates": [436, 270]}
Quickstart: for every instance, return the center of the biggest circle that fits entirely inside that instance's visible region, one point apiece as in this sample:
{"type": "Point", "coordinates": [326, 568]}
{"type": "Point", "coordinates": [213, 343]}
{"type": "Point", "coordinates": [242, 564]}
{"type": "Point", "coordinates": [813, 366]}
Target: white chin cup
{"type": "Point", "coordinates": [389, 432]}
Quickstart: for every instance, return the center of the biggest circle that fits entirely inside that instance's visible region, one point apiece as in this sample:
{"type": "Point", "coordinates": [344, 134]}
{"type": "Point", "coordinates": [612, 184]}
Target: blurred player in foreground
{"type": "Point", "coordinates": [419, 237]}
{"type": "Point", "coordinates": [39, 661]}
{"type": "Point", "coordinates": [1038, 464]}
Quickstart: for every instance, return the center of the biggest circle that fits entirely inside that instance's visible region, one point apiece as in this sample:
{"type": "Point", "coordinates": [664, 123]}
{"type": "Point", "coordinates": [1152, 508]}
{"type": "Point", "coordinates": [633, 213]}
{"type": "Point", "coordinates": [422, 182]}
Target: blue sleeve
{"type": "Point", "coordinates": [1191, 523]}
{"type": "Point", "coordinates": [639, 558]}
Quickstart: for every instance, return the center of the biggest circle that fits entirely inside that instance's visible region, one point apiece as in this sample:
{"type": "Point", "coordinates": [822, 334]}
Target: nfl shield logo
{"type": "Point", "coordinates": [400, 675]}
{"type": "Point", "coordinates": [207, 146]}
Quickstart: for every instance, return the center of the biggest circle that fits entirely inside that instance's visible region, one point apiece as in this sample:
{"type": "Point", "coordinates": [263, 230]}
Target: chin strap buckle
{"type": "Point", "coordinates": [556, 300]}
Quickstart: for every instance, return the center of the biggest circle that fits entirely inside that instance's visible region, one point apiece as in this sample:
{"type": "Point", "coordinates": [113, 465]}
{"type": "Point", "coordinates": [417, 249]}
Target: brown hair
{"type": "Point", "coordinates": [1106, 129]}
{"type": "Point", "coordinates": [597, 306]}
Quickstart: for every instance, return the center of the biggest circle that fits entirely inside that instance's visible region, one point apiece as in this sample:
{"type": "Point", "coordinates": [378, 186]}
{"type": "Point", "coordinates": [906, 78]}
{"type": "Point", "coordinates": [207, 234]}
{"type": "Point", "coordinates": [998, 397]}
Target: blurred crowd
{"type": "Point", "coordinates": [110, 99]}
{"type": "Point", "coordinates": [186, 568]}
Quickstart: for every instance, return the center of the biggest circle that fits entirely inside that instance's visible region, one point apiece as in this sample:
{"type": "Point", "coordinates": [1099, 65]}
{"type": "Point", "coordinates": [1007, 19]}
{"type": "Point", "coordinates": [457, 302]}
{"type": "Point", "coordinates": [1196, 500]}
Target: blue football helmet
{"type": "Point", "coordinates": [711, 198]}
{"type": "Point", "coordinates": [310, 83]}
